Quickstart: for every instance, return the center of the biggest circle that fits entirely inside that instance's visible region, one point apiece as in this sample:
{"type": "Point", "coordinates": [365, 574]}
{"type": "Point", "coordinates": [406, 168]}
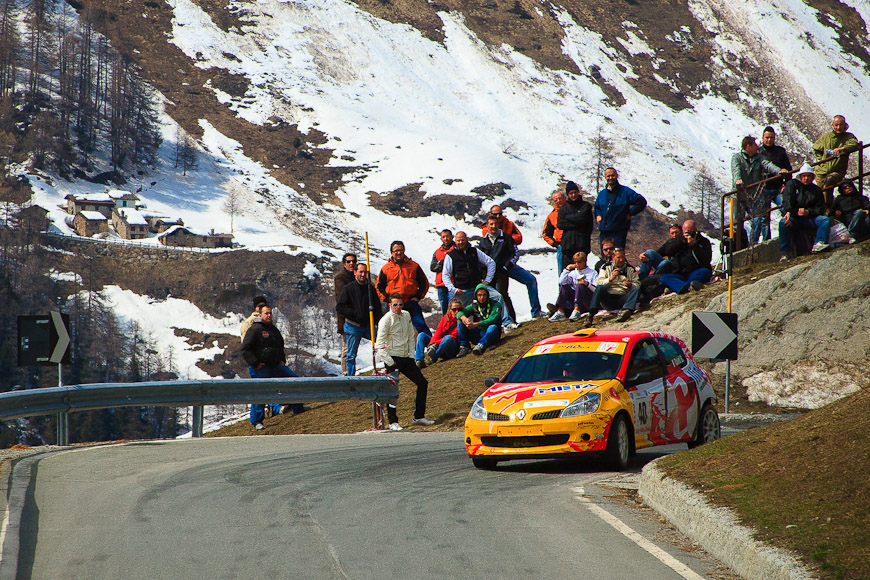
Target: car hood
{"type": "Point", "coordinates": [507, 398]}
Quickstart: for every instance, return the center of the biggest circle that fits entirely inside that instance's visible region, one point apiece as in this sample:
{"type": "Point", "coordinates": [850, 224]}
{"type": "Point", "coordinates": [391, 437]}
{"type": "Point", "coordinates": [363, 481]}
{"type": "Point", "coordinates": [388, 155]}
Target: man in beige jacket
{"type": "Point", "coordinates": [394, 348]}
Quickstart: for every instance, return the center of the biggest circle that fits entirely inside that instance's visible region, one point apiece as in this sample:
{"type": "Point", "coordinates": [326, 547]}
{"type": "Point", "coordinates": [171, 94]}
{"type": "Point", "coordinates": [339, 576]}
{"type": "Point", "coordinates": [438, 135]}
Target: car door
{"type": "Point", "coordinates": [645, 382]}
{"type": "Point", "coordinates": [681, 393]}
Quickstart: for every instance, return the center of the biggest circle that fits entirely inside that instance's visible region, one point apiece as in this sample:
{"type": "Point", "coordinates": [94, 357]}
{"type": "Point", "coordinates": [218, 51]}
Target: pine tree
{"type": "Point", "coordinates": [602, 158]}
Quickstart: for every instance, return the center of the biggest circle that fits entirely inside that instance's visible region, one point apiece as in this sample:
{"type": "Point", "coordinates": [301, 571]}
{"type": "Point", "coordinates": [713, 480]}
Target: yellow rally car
{"type": "Point", "coordinates": [593, 391]}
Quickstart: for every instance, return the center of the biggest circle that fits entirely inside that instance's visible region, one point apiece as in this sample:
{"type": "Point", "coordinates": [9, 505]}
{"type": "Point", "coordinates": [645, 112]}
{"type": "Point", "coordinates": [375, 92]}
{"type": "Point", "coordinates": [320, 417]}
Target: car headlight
{"type": "Point", "coordinates": [478, 411]}
{"type": "Point", "coordinates": [584, 405]}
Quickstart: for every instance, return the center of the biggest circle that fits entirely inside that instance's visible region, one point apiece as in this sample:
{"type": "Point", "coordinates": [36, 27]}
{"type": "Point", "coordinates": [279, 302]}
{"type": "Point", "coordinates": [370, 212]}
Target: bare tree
{"type": "Point", "coordinates": [232, 205]}
{"type": "Point", "coordinates": [705, 194]}
{"type": "Point", "coordinates": [602, 158]}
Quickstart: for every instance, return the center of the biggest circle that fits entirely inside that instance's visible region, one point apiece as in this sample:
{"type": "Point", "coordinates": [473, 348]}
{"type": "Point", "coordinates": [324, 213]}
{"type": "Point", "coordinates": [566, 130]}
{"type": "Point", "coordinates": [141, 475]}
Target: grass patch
{"type": "Point", "coordinates": [802, 484]}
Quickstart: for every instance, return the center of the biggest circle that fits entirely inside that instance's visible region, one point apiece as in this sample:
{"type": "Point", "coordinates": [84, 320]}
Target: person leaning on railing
{"type": "Point", "coordinates": [833, 149]}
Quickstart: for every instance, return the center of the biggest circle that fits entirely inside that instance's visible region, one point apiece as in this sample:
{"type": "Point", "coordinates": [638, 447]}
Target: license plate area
{"type": "Point", "coordinates": [520, 431]}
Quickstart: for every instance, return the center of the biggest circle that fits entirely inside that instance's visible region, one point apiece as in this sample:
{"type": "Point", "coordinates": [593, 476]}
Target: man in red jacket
{"type": "Point", "coordinates": [437, 266]}
{"type": "Point", "coordinates": [444, 344]}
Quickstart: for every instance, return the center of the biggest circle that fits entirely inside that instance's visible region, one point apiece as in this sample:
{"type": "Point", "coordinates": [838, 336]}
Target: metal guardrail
{"type": "Point", "coordinates": [89, 397]}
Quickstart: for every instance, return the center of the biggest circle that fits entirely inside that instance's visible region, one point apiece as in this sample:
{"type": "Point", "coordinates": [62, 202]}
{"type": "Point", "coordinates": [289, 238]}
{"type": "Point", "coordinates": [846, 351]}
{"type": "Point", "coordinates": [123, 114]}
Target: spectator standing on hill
{"type": "Point", "coordinates": [852, 210]}
{"type": "Point", "coordinates": [748, 167]}
{"type": "Point", "coordinates": [614, 207]}
{"type": "Point", "coordinates": [692, 262]}
{"type": "Point", "coordinates": [576, 287]}
{"type": "Point", "coordinates": [464, 268]}
{"type": "Point", "coordinates": [356, 301]}
{"type": "Point", "coordinates": [395, 349]}
{"type": "Point", "coordinates": [576, 222]}
{"type": "Point", "coordinates": [551, 233]}
{"type": "Point", "coordinates": [516, 272]}
{"type": "Point", "coordinates": [263, 350]}
{"type": "Point", "coordinates": [479, 323]}
{"type": "Point", "coordinates": [658, 262]}
{"type": "Point", "coordinates": [259, 302]}
{"type": "Point", "coordinates": [342, 279]}
{"type": "Point", "coordinates": [833, 150]}
{"type": "Point", "coordinates": [803, 209]}
{"type": "Point", "coordinates": [444, 343]}
{"type": "Point", "coordinates": [437, 266]}
{"type": "Point", "coordinates": [772, 189]}
{"type": "Point", "coordinates": [504, 224]}
{"type": "Point", "coordinates": [501, 249]}
{"type": "Point", "coordinates": [403, 275]}
{"type": "Point", "coordinates": [617, 286]}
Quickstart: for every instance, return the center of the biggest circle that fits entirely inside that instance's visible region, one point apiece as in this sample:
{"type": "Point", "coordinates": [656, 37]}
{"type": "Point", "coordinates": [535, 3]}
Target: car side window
{"type": "Point", "coordinates": [673, 353]}
{"type": "Point", "coordinates": [645, 365]}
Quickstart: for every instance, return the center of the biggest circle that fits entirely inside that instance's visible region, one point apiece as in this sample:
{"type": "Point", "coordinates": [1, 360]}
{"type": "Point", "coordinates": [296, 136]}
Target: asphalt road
{"type": "Point", "coordinates": [368, 506]}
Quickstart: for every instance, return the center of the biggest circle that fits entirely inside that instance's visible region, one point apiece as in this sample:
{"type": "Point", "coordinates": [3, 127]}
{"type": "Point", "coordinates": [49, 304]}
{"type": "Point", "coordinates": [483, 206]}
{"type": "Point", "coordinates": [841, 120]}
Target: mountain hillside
{"type": "Point", "coordinates": [328, 121]}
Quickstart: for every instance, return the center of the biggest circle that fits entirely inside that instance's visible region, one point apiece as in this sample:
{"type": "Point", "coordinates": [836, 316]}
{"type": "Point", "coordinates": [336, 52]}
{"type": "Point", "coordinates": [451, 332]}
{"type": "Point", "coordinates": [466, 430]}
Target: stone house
{"type": "Point", "coordinates": [124, 198]}
{"type": "Point", "coordinates": [34, 218]}
{"type": "Point", "coordinates": [129, 223]}
{"type": "Point", "coordinates": [182, 236]}
{"type": "Point", "coordinates": [100, 202]}
{"type": "Point", "coordinates": [89, 223]}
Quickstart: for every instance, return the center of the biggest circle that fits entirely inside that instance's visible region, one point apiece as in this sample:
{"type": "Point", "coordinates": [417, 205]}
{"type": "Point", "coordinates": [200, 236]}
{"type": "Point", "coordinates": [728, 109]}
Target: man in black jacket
{"type": "Point", "coordinates": [503, 251]}
{"type": "Point", "coordinates": [342, 279]}
{"type": "Point", "coordinates": [692, 262]}
{"type": "Point", "coordinates": [772, 189]}
{"type": "Point", "coordinates": [575, 220]}
{"type": "Point", "coordinates": [356, 300]}
{"type": "Point", "coordinates": [852, 209]}
{"type": "Point", "coordinates": [263, 350]}
{"type": "Point", "coordinates": [803, 209]}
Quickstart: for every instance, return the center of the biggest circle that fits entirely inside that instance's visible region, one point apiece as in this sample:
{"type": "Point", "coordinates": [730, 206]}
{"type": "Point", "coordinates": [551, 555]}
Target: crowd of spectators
{"type": "Point", "coordinates": [472, 281]}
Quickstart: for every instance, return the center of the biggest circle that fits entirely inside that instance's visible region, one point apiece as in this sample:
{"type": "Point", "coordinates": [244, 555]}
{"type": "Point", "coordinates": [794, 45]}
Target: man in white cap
{"type": "Point", "coordinates": [803, 208]}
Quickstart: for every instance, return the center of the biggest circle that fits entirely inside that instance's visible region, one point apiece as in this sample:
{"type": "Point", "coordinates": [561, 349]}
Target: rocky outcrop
{"type": "Point", "coordinates": [804, 332]}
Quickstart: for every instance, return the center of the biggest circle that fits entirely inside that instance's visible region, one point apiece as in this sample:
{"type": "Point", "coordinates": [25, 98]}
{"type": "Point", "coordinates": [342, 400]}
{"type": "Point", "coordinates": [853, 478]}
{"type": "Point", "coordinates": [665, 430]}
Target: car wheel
{"type": "Point", "coordinates": [708, 426]}
{"type": "Point", "coordinates": [484, 462]}
{"type": "Point", "coordinates": [618, 444]}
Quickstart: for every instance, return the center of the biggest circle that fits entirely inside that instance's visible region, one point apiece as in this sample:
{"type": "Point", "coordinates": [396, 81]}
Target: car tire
{"type": "Point", "coordinates": [618, 444]}
{"type": "Point", "coordinates": [484, 462]}
{"type": "Point", "coordinates": [708, 428]}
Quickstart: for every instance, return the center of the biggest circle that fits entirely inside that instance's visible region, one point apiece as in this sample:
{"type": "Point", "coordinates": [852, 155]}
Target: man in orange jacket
{"type": "Point", "coordinates": [551, 234]}
{"type": "Point", "coordinates": [404, 276]}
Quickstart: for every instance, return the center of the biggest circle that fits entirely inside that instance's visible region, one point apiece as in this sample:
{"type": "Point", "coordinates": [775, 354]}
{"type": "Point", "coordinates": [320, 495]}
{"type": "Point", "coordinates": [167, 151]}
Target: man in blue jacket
{"type": "Point", "coordinates": [614, 207]}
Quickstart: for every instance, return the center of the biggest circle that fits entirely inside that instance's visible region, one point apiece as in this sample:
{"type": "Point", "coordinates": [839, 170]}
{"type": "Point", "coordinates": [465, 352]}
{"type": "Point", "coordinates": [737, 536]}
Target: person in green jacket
{"type": "Point", "coordinates": [833, 150]}
{"type": "Point", "coordinates": [479, 323]}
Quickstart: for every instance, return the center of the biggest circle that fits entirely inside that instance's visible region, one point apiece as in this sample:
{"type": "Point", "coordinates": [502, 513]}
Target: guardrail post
{"type": "Point", "coordinates": [63, 428]}
{"type": "Point", "coordinates": [196, 422]}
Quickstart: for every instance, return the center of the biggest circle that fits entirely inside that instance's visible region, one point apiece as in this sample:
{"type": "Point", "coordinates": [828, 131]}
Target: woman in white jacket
{"type": "Point", "coordinates": [394, 348]}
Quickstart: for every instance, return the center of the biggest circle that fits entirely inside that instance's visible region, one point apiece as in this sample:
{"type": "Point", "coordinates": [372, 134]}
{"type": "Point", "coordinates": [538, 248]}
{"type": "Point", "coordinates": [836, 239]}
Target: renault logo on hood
{"type": "Point", "coordinates": [521, 414]}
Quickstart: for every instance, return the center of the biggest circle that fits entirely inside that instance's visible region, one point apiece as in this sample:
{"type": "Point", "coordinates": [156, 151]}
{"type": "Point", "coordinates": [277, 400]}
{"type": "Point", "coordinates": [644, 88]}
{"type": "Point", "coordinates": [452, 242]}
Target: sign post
{"type": "Point", "coordinates": [714, 336]}
{"type": "Point", "coordinates": [44, 340]}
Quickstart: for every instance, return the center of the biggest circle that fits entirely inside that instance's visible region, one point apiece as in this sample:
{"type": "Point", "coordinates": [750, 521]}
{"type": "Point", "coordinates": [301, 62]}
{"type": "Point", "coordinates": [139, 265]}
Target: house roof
{"type": "Point", "coordinates": [91, 197]}
{"type": "Point", "coordinates": [132, 217]}
{"type": "Point", "coordinates": [121, 194]}
{"type": "Point", "coordinates": [92, 216]}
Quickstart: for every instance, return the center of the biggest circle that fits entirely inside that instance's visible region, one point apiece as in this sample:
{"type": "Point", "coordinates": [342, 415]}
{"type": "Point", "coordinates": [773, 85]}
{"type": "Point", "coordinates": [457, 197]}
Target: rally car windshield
{"type": "Point", "coordinates": [564, 366]}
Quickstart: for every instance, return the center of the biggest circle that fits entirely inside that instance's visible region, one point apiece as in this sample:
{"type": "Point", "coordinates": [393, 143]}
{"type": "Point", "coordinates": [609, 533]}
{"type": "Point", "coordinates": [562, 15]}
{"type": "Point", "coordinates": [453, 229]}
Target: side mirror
{"type": "Point", "coordinates": [490, 381]}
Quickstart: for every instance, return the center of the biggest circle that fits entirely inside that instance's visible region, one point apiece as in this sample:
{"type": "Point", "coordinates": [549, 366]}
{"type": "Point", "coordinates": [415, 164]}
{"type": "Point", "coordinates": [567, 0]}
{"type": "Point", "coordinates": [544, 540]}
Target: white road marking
{"type": "Point", "coordinates": [629, 533]}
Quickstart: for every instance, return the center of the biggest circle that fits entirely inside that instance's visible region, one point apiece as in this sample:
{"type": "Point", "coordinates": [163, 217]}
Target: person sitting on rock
{"type": "Point", "coordinates": [803, 209]}
{"type": "Point", "coordinates": [852, 210]}
{"type": "Point", "coordinates": [479, 323]}
{"type": "Point", "coordinates": [576, 286]}
{"type": "Point", "coordinates": [444, 343]}
{"type": "Point", "coordinates": [691, 263]}
{"type": "Point", "coordinates": [658, 262]}
{"type": "Point", "coordinates": [617, 286]}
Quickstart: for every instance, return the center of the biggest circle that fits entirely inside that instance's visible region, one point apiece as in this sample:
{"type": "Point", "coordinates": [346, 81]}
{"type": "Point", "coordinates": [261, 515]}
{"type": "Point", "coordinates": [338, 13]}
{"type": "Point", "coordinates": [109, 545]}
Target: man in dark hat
{"type": "Point", "coordinates": [852, 209]}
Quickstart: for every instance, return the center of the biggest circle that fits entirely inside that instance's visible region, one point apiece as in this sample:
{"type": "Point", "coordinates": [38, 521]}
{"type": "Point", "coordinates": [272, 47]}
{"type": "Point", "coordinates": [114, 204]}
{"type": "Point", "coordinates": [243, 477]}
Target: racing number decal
{"type": "Point", "coordinates": [642, 412]}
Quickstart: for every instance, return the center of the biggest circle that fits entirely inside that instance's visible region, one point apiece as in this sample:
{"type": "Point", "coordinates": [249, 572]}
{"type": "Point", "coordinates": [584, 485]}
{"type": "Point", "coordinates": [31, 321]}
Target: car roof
{"type": "Point", "coordinates": [593, 335]}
